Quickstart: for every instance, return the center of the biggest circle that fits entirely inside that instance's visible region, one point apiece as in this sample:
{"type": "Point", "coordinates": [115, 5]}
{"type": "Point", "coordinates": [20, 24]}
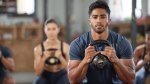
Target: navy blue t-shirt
{"type": "Point", "coordinates": [108, 76]}
{"type": "Point", "coordinates": [6, 53]}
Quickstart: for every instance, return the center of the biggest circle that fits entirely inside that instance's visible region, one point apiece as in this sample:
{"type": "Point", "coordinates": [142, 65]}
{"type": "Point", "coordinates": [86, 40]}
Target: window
{"type": "Point", "coordinates": [122, 9]}
{"type": "Point", "coordinates": [25, 7]}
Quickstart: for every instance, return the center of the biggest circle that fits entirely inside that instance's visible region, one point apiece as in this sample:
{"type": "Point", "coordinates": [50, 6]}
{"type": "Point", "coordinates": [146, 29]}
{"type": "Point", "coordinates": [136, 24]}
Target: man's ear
{"type": "Point", "coordinates": [109, 21]}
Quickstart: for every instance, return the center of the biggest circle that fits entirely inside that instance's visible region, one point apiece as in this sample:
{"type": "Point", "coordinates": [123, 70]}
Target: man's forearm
{"type": "Point", "coordinates": [78, 74]}
{"type": "Point", "coordinates": [123, 72]}
{"type": "Point", "coordinates": [9, 64]}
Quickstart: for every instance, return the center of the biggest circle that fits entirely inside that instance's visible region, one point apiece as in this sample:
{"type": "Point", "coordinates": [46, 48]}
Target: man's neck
{"type": "Point", "coordinates": [101, 36]}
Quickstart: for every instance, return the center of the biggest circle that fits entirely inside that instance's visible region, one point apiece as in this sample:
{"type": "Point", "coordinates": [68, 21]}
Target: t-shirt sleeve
{"type": "Point", "coordinates": [125, 49]}
{"type": "Point", "coordinates": [75, 51]}
{"type": "Point", "coordinates": [6, 52]}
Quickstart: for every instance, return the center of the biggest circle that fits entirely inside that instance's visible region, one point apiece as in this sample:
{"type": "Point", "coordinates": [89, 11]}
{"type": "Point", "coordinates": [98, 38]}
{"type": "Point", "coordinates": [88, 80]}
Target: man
{"type": "Point", "coordinates": [121, 70]}
{"type": "Point", "coordinates": [6, 66]}
{"type": "Point", "coordinates": [142, 59]}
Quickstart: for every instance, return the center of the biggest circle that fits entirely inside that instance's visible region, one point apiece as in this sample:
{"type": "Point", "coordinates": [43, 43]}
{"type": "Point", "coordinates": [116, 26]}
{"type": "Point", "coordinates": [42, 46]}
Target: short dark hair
{"type": "Point", "coordinates": [51, 21]}
{"type": "Point", "coordinates": [99, 4]}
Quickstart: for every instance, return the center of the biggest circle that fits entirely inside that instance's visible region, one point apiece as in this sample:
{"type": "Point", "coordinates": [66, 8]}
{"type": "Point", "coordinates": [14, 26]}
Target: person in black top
{"type": "Point", "coordinates": [115, 64]}
{"type": "Point", "coordinates": [6, 66]}
{"type": "Point", "coordinates": [142, 59]}
{"type": "Point", "coordinates": [51, 57]}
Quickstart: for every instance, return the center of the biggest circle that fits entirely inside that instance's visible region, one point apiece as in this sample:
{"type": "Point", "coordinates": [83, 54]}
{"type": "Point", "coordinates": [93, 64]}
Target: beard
{"type": "Point", "coordinates": [99, 28]}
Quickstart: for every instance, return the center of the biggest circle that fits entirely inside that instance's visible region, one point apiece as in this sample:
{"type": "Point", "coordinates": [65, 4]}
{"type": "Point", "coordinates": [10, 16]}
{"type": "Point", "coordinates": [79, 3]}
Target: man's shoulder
{"type": "Point", "coordinates": [6, 52]}
{"type": "Point", "coordinates": [81, 39]}
{"type": "Point", "coordinates": [118, 37]}
{"type": "Point", "coordinates": [123, 46]}
{"type": "Point", "coordinates": [2, 47]}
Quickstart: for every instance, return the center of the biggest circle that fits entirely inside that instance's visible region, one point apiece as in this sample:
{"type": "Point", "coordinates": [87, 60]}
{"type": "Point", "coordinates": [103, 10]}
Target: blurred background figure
{"type": "Point", "coordinates": [142, 59]}
{"type": "Point", "coordinates": [51, 57]}
{"type": "Point", "coordinates": [6, 66]}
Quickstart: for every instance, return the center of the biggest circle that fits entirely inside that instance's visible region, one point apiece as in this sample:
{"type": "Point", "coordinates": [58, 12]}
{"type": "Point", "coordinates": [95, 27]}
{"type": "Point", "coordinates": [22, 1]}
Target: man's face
{"type": "Point", "coordinates": [99, 20]}
{"type": "Point", "coordinates": [147, 39]}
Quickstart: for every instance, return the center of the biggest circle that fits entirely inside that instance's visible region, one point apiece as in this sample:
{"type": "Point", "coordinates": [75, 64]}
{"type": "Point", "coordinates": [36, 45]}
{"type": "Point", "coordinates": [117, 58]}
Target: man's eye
{"type": "Point", "coordinates": [103, 17]}
{"type": "Point", "coordinates": [94, 17]}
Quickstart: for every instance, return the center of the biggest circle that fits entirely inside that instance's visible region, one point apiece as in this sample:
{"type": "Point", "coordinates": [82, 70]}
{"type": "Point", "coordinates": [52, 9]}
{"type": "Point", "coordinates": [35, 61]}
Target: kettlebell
{"type": "Point", "coordinates": [147, 67]}
{"type": "Point", "coordinates": [100, 61]}
{"type": "Point", "coordinates": [52, 60]}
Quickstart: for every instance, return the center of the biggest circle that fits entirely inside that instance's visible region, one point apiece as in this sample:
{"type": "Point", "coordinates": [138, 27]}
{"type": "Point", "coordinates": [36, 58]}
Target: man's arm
{"type": "Point", "coordinates": [125, 68]}
{"type": "Point", "coordinates": [8, 63]}
{"type": "Point", "coordinates": [78, 69]}
{"type": "Point", "coordinates": [7, 60]}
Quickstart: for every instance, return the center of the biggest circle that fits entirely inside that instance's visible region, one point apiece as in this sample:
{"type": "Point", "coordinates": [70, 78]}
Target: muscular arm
{"type": "Point", "coordinates": [8, 63]}
{"type": "Point", "coordinates": [77, 71]}
{"type": "Point", "coordinates": [125, 70]}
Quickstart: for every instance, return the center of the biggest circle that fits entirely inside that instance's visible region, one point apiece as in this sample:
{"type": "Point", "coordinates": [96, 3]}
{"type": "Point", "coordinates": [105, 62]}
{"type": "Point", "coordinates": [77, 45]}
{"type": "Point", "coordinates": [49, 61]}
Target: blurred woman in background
{"type": "Point", "coordinates": [51, 57]}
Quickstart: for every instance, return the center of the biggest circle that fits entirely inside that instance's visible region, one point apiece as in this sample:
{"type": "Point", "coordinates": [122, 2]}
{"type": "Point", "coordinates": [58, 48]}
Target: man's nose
{"type": "Point", "coordinates": [99, 19]}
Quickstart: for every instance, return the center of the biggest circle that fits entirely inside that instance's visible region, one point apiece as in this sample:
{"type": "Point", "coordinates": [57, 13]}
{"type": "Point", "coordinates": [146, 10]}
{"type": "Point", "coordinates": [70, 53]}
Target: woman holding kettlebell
{"type": "Point", "coordinates": [51, 57]}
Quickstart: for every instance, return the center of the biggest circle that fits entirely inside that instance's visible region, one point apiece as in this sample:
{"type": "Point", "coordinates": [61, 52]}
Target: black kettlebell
{"type": "Point", "coordinates": [147, 67]}
{"type": "Point", "coordinates": [100, 61]}
{"type": "Point", "coordinates": [52, 60]}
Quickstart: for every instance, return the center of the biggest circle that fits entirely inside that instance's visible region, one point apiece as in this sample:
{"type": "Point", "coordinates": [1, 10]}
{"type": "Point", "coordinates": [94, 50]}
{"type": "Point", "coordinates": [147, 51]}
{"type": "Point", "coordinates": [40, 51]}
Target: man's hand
{"type": "Point", "coordinates": [110, 53]}
{"type": "Point", "coordinates": [89, 54]}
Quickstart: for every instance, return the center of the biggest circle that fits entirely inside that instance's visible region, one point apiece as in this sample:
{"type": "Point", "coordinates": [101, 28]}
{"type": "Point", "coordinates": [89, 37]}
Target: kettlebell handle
{"type": "Point", "coordinates": [96, 42]}
{"type": "Point", "coordinates": [52, 49]}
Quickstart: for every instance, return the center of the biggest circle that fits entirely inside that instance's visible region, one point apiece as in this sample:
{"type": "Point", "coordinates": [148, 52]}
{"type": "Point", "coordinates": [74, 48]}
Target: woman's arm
{"type": "Point", "coordinates": [39, 61]}
{"type": "Point", "coordinates": [65, 60]}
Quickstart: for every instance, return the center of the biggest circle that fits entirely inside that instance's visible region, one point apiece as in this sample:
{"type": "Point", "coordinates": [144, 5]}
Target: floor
{"type": "Point", "coordinates": [24, 77]}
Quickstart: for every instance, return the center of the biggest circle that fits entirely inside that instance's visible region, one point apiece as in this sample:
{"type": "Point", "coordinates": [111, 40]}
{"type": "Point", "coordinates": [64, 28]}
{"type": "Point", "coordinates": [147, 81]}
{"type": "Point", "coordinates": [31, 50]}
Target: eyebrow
{"type": "Point", "coordinates": [103, 15]}
{"type": "Point", "coordinates": [100, 15]}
